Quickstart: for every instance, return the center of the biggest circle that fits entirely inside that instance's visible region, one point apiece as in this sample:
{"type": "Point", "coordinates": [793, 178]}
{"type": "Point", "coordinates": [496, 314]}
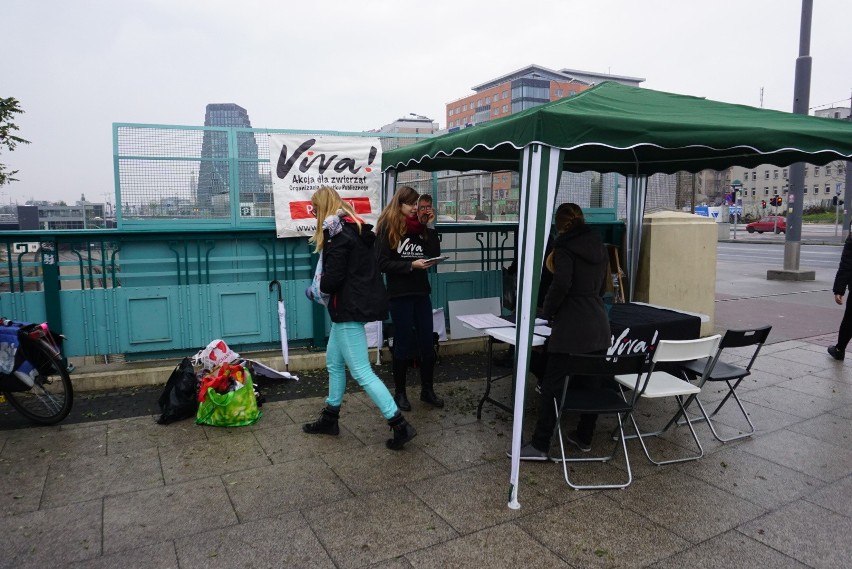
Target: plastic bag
{"type": "Point", "coordinates": [232, 409]}
{"type": "Point", "coordinates": [215, 354]}
{"type": "Point", "coordinates": [313, 292]}
{"type": "Point", "coordinates": [179, 399]}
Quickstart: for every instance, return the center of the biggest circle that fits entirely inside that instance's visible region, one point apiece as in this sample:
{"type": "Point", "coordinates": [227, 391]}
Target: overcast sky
{"type": "Point", "coordinates": [79, 66]}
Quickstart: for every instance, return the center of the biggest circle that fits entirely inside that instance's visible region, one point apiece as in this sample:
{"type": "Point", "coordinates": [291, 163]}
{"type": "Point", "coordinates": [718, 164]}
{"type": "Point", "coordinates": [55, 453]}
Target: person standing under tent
{"type": "Point", "coordinates": [352, 278]}
{"type": "Point", "coordinates": [579, 323]}
{"type": "Point", "coordinates": [842, 281]}
{"type": "Point", "coordinates": [404, 244]}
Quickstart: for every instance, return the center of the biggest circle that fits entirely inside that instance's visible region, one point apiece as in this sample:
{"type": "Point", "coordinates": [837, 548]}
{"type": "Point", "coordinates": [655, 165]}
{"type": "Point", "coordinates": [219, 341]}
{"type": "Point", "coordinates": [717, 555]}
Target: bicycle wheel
{"type": "Point", "coordinates": [49, 400]}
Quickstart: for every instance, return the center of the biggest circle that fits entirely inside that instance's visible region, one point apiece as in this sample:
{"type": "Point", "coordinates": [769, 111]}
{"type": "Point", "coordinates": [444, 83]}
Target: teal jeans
{"type": "Point", "coordinates": [347, 347]}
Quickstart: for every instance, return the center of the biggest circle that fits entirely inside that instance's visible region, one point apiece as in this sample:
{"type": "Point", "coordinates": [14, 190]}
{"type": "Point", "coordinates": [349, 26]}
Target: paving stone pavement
{"type": "Point", "coordinates": [128, 492]}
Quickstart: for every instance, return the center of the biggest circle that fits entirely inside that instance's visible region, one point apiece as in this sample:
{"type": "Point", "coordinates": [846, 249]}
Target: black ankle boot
{"type": "Point", "coordinates": [326, 423]}
{"type": "Point", "coordinates": [400, 368]}
{"type": "Point", "coordinates": [836, 353]}
{"type": "Point", "coordinates": [401, 400]}
{"type": "Point", "coordinates": [402, 432]}
{"type": "Point", "coordinates": [428, 396]}
{"type": "Point", "coordinates": [427, 391]}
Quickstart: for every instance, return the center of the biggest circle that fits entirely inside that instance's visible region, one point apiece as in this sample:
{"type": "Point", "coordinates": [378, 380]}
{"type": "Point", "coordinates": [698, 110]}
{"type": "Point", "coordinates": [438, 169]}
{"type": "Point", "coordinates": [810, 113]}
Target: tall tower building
{"type": "Point", "coordinates": [214, 173]}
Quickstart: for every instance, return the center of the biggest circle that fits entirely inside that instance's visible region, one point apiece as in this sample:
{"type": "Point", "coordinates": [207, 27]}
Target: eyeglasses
{"type": "Point", "coordinates": [424, 207]}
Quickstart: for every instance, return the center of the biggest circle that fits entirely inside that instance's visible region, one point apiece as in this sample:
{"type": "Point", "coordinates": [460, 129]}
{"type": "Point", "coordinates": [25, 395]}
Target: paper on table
{"type": "Point", "coordinates": [483, 321]}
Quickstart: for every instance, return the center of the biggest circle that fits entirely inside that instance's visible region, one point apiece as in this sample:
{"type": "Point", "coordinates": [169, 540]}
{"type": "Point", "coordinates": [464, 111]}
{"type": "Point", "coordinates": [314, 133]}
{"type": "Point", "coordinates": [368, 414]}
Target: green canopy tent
{"type": "Point", "coordinates": [613, 128]}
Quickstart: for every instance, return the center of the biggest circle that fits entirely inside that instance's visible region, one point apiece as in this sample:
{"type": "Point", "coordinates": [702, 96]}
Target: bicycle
{"type": "Point", "coordinates": [34, 376]}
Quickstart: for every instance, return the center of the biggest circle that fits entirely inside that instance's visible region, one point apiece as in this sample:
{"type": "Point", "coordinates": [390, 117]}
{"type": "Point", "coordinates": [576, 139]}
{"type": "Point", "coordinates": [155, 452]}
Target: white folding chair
{"type": "Point", "coordinates": [661, 384]}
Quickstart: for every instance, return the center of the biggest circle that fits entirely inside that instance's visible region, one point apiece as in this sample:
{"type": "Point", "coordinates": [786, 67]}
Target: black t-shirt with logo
{"type": "Point", "coordinates": [396, 263]}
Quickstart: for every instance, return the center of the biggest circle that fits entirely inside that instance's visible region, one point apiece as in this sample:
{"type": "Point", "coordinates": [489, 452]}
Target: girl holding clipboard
{"type": "Point", "coordinates": [406, 248]}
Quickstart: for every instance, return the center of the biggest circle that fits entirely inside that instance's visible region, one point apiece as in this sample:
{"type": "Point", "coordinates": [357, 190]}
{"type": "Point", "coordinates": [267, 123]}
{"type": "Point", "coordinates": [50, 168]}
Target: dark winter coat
{"type": "Point", "coordinates": [574, 302]}
{"type": "Point", "coordinates": [843, 279]}
{"type": "Point", "coordinates": [351, 276]}
{"type": "Point", "coordinates": [396, 263]}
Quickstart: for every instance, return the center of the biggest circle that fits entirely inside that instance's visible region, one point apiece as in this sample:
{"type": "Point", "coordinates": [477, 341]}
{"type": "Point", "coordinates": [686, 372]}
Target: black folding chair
{"type": "Point", "coordinates": [731, 374]}
{"type": "Point", "coordinates": [600, 401]}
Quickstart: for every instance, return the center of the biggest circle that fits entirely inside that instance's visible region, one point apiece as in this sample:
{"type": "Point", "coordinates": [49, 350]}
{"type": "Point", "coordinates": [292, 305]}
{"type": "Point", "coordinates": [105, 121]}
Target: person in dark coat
{"type": "Point", "coordinates": [579, 323]}
{"type": "Point", "coordinates": [842, 281]}
{"type": "Point", "coordinates": [405, 243]}
{"type": "Point", "coordinates": [352, 279]}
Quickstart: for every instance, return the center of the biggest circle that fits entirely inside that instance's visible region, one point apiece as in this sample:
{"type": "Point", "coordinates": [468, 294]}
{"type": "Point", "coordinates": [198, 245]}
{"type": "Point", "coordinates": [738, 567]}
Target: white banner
{"type": "Point", "coordinates": [302, 164]}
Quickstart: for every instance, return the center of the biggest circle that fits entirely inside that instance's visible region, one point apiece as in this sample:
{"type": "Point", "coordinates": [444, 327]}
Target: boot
{"type": "Point", "coordinates": [326, 423]}
{"type": "Point", "coordinates": [402, 432]}
{"type": "Point", "coordinates": [427, 392]}
{"type": "Point", "coordinates": [400, 367]}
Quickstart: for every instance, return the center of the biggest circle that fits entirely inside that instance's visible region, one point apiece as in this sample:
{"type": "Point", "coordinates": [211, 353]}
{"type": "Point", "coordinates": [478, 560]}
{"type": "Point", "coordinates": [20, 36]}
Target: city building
{"type": "Point", "coordinates": [212, 187]}
{"type": "Point", "coordinates": [44, 215]}
{"type": "Point", "coordinates": [411, 124]}
{"type": "Point", "coordinates": [523, 89]}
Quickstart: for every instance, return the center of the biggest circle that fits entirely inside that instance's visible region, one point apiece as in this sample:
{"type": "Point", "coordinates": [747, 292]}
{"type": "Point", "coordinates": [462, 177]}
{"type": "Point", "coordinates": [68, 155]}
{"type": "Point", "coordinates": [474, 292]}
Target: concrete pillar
{"type": "Point", "coordinates": [677, 264]}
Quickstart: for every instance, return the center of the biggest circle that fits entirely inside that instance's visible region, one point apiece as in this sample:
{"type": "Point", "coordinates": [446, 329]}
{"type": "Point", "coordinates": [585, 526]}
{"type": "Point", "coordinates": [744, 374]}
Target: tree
{"type": "Point", "coordinates": [9, 107]}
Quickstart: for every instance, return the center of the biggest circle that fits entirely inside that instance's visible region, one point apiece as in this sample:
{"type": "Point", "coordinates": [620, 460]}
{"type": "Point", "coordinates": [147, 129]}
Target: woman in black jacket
{"type": "Point", "coordinates": [579, 322]}
{"type": "Point", "coordinates": [404, 244]}
{"type": "Point", "coordinates": [842, 281]}
{"type": "Point", "coordinates": [352, 279]}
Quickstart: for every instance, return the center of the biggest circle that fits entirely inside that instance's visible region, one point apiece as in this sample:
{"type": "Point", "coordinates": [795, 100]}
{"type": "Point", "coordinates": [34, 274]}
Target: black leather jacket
{"type": "Point", "coordinates": [843, 279]}
{"type": "Point", "coordinates": [351, 276]}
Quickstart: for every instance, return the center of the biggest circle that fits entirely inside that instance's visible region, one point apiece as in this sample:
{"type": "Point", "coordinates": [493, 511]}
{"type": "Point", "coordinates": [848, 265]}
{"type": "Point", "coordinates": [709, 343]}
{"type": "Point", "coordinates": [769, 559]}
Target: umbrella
{"type": "Point", "coordinates": [282, 327]}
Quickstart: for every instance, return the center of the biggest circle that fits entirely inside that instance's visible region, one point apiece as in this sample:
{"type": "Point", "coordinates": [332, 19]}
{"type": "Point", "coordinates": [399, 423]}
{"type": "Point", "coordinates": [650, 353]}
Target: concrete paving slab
{"type": "Point", "coordinates": [284, 541]}
{"type": "Point", "coordinates": [804, 405]}
{"type": "Point", "coordinates": [377, 527]}
{"type": "Point", "coordinates": [272, 490]}
{"type": "Point", "coordinates": [49, 443]}
{"type": "Point", "coordinates": [827, 428]}
{"type": "Point", "coordinates": [686, 506]}
{"type": "Point", "coordinates": [147, 517]}
{"type": "Point", "coordinates": [835, 497]}
{"type": "Point", "coordinates": [22, 485]}
{"type": "Point", "coordinates": [131, 435]}
{"type": "Point", "coordinates": [752, 478]}
{"type": "Point", "coordinates": [239, 451]}
{"type": "Point", "coordinates": [89, 478]}
{"type": "Point", "coordinates": [596, 532]}
{"type": "Point", "coordinates": [731, 550]}
{"type": "Point", "coordinates": [457, 448]}
{"type": "Point", "coordinates": [811, 456]}
{"type": "Point", "coordinates": [501, 547]}
{"type": "Point", "coordinates": [377, 468]}
{"type": "Point", "coordinates": [159, 556]}
{"type": "Point", "coordinates": [46, 537]}
{"type": "Point", "coordinates": [810, 533]}
{"type": "Point", "coordinates": [290, 442]}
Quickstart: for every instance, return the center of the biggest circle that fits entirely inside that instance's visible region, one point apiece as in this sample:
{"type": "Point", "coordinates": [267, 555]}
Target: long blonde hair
{"type": "Point", "coordinates": [568, 216]}
{"type": "Point", "coordinates": [391, 223]}
{"type": "Point", "coordinates": [326, 201]}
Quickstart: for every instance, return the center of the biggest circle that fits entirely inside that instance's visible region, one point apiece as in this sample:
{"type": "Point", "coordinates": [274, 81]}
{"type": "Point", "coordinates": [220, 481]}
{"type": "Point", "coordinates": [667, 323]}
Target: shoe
{"type": "Point", "coordinates": [836, 354]}
{"type": "Point", "coordinates": [529, 452]}
{"type": "Point", "coordinates": [401, 400]}
{"type": "Point", "coordinates": [402, 432]}
{"type": "Point", "coordinates": [326, 423]}
{"type": "Point", "coordinates": [432, 399]}
{"type": "Point", "coordinates": [574, 438]}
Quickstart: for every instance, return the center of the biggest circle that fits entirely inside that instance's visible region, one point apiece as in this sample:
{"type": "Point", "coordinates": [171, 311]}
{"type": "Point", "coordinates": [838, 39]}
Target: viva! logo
{"type": "Point", "coordinates": [304, 209]}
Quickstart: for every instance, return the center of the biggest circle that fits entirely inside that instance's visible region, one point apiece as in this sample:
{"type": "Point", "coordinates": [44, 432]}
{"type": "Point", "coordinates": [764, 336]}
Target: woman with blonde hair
{"type": "Point", "coordinates": [404, 243]}
{"type": "Point", "coordinates": [352, 279]}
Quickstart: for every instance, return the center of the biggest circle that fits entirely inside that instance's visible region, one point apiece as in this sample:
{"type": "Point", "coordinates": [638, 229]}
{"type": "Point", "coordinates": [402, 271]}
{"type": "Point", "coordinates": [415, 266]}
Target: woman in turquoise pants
{"type": "Point", "coordinates": [352, 279]}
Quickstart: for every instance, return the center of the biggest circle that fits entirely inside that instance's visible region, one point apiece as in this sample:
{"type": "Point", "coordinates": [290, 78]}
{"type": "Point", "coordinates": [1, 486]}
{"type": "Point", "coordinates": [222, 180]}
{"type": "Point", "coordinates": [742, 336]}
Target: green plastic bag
{"type": "Point", "coordinates": [232, 409]}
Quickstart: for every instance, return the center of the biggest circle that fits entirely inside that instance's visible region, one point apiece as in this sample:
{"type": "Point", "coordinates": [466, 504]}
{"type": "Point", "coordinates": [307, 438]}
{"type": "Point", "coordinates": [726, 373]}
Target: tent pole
{"type": "Point", "coordinates": [636, 190]}
{"type": "Point", "coordinates": [540, 169]}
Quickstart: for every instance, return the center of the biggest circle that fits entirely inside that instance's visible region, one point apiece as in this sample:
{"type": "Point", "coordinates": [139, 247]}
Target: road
{"type": "Point", "coordinates": [745, 298]}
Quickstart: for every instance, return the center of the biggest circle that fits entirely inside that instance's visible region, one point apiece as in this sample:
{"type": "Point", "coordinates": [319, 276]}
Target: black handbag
{"type": "Point", "coordinates": [179, 399]}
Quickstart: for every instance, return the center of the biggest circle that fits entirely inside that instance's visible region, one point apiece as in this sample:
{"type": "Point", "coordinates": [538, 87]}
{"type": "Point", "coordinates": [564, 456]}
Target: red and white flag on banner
{"type": "Point", "coordinates": [302, 164]}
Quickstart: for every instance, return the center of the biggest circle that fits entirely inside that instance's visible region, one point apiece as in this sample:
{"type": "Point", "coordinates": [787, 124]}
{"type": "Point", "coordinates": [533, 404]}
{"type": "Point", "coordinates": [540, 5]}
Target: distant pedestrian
{"type": "Point", "coordinates": [842, 281]}
{"type": "Point", "coordinates": [357, 295]}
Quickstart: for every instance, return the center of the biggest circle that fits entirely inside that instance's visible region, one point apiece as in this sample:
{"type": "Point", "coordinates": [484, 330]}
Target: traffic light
{"type": "Point", "coordinates": [775, 200]}
{"type": "Point", "coordinates": [763, 204]}
{"type": "Point", "coordinates": [835, 201]}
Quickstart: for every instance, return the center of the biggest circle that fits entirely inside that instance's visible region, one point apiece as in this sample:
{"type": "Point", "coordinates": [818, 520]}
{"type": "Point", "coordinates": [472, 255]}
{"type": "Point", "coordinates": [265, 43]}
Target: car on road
{"type": "Point", "coordinates": [768, 223]}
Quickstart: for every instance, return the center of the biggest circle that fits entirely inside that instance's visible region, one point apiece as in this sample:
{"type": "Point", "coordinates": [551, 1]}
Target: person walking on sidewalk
{"type": "Point", "coordinates": [352, 279]}
{"type": "Point", "coordinates": [842, 281]}
{"type": "Point", "coordinates": [580, 325]}
{"type": "Point", "coordinates": [405, 242]}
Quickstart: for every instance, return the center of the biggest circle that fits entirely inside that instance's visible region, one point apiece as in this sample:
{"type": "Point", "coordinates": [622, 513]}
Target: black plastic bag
{"type": "Point", "coordinates": [180, 397]}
